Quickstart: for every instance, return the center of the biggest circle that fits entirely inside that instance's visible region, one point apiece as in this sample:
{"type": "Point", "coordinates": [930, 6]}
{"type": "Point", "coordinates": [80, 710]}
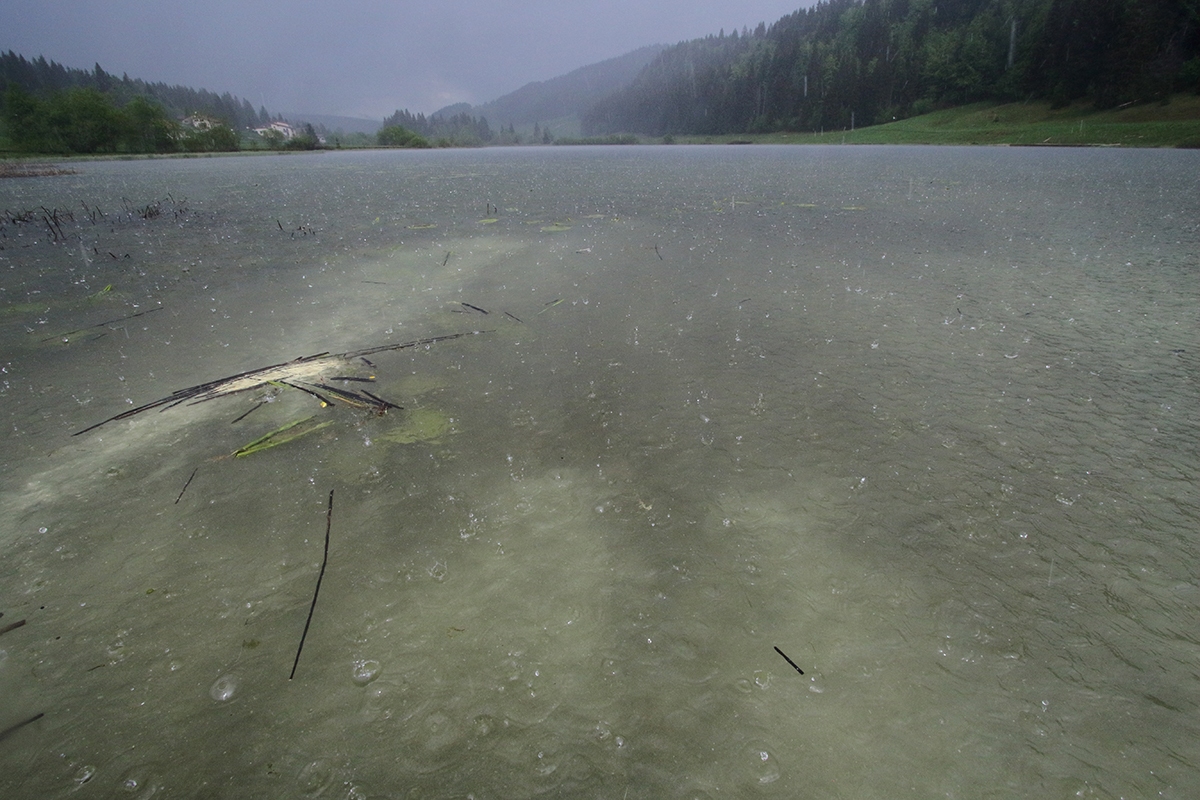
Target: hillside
{"type": "Point", "coordinates": [846, 64]}
{"type": "Point", "coordinates": [1173, 123]}
{"type": "Point", "coordinates": [42, 78]}
{"type": "Point", "coordinates": [558, 103]}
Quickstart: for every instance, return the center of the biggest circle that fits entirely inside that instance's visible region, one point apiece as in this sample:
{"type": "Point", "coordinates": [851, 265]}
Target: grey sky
{"type": "Point", "coordinates": [360, 57]}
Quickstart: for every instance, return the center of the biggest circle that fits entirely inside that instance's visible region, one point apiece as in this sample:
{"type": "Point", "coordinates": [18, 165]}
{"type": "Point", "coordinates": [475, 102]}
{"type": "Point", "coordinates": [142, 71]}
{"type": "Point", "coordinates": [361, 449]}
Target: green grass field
{"type": "Point", "coordinates": [1172, 124]}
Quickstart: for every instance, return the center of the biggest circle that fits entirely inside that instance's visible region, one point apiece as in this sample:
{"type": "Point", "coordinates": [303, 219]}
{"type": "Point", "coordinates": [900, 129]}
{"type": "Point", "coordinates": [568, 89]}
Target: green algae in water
{"type": "Point", "coordinates": [421, 425]}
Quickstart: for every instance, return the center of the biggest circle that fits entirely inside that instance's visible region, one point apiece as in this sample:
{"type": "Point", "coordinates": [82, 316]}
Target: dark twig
{"type": "Point", "coordinates": [13, 728]}
{"type": "Point", "coordinates": [324, 561]}
{"type": "Point", "coordinates": [189, 483]}
{"type": "Point", "coordinates": [785, 658]}
{"type": "Point", "coordinates": [103, 324]}
{"type": "Point", "coordinates": [13, 626]}
{"type": "Point", "coordinates": [254, 407]}
{"type": "Point", "coordinates": [383, 404]}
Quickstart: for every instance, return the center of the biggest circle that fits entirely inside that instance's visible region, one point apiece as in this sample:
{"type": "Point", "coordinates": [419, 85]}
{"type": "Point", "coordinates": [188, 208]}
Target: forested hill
{"type": "Point", "coordinates": [569, 94]}
{"type": "Point", "coordinates": [846, 63]}
{"type": "Point", "coordinates": [42, 78]}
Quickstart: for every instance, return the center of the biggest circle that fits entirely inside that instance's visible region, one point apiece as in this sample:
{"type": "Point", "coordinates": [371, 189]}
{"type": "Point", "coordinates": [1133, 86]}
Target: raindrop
{"type": "Point", "coordinates": [763, 767]}
{"type": "Point", "coordinates": [315, 778]}
{"type": "Point", "coordinates": [223, 688]}
{"type": "Point", "coordinates": [365, 672]}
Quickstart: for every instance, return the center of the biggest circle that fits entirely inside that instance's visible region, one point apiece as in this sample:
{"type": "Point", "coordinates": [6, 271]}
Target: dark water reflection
{"type": "Point", "coordinates": [925, 419]}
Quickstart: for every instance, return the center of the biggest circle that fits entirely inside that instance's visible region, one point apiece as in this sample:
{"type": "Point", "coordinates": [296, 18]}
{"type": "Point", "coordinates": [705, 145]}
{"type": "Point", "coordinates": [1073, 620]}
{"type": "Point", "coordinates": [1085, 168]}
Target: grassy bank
{"type": "Point", "coordinates": [1172, 124]}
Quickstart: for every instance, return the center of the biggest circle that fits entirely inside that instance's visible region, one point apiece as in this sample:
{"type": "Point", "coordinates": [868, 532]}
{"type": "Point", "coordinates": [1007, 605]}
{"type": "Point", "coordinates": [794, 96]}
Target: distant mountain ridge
{"type": "Point", "coordinates": [568, 95]}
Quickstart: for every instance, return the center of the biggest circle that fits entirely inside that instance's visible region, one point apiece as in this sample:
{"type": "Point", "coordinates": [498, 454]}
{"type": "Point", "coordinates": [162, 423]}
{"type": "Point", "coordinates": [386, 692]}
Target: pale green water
{"type": "Point", "coordinates": [924, 419]}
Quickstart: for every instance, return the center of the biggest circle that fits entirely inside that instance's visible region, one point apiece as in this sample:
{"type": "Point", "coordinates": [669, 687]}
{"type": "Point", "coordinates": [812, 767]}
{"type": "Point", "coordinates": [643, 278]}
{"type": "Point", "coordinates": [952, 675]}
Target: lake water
{"type": "Point", "coordinates": [924, 420]}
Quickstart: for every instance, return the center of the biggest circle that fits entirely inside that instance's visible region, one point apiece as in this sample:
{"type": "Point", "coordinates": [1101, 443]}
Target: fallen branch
{"type": "Point", "coordinates": [287, 373]}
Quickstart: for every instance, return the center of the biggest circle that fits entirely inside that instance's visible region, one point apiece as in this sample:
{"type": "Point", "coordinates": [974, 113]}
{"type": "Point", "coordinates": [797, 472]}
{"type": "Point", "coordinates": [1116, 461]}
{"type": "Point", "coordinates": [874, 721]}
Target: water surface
{"type": "Point", "coordinates": [923, 419]}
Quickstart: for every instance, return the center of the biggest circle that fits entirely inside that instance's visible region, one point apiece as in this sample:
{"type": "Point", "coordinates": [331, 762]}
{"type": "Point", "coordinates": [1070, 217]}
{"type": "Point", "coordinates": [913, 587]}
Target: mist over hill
{"type": "Point", "coordinates": [333, 123]}
{"type": "Point", "coordinates": [568, 95]}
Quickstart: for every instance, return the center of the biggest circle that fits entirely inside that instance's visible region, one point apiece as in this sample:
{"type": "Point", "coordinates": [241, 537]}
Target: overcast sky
{"type": "Point", "coordinates": [363, 58]}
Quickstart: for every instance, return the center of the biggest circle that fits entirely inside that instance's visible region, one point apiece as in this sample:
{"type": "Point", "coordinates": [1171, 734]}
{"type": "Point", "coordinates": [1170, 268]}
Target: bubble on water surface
{"type": "Point", "coordinates": [223, 688]}
{"type": "Point", "coordinates": [365, 671]}
{"type": "Point", "coordinates": [137, 781]}
{"type": "Point", "coordinates": [84, 774]}
{"type": "Point", "coordinates": [315, 778]}
{"type": "Point", "coordinates": [761, 766]}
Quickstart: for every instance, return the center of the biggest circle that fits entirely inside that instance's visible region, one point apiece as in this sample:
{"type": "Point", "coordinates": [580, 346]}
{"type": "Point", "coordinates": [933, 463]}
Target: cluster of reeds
{"type": "Point", "coordinates": [177, 209]}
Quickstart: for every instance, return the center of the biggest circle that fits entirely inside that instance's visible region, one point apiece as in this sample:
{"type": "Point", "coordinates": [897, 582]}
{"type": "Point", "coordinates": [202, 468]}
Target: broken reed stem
{"type": "Point", "coordinates": [185, 485]}
{"type": "Point", "coordinates": [324, 561]}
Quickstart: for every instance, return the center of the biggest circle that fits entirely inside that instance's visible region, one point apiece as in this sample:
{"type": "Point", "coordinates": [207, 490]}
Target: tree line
{"type": "Point", "coordinates": [48, 108]}
{"type": "Point", "coordinates": [84, 120]}
{"type": "Point", "coordinates": [41, 78]}
{"type": "Point", "coordinates": [848, 63]}
{"type": "Point", "coordinates": [456, 130]}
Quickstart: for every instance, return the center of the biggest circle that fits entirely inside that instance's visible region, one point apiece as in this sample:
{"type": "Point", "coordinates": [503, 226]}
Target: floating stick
{"type": "Point", "coordinates": [383, 404]}
{"type": "Point", "coordinates": [12, 728]}
{"type": "Point", "coordinates": [518, 319]}
{"type": "Point", "coordinates": [324, 401]}
{"type": "Point", "coordinates": [189, 480]}
{"type": "Point", "coordinates": [785, 658]}
{"type": "Point", "coordinates": [254, 407]}
{"type": "Point", "coordinates": [475, 308]}
{"type": "Point", "coordinates": [13, 626]}
{"type": "Point", "coordinates": [102, 324]}
{"type": "Point", "coordinates": [324, 561]}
